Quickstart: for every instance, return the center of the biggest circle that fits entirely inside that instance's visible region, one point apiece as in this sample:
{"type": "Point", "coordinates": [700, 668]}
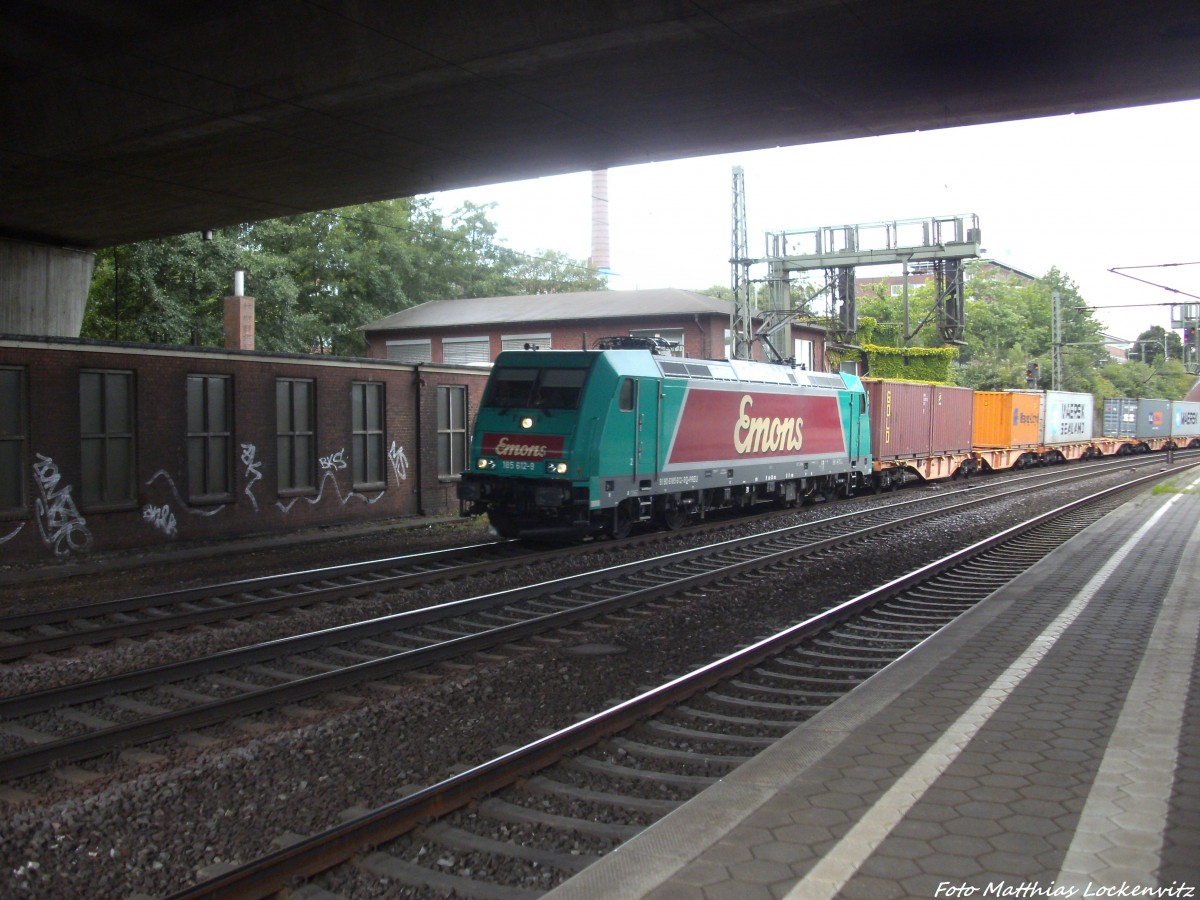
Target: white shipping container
{"type": "Point", "coordinates": [1067, 418]}
{"type": "Point", "coordinates": [1185, 419]}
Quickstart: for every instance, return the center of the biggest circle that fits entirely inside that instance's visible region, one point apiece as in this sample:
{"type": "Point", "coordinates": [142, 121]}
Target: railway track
{"type": "Point", "coordinates": [38, 633]}
{"type": "Point", "coordinates": [521, 823]}
{"type": "Point", "coordinates": [95, 719]}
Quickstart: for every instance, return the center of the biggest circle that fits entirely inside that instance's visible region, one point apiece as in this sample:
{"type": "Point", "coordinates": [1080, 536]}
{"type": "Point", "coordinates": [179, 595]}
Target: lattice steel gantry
{"type": "Point", "coordinates": [942, 242]}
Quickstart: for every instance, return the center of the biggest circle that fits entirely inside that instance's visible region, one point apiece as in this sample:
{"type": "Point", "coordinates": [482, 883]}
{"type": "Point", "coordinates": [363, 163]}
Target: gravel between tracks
{"type": "Point", "coordinates": [150, 829]}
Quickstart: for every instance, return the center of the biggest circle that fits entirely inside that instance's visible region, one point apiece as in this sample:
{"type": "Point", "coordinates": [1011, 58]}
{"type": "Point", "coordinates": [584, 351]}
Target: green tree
{"type": "Point", "coordinates": [163, 291]}
{"type": "Point", "coordinates": [1009, 328]}
{"type": "Point", "coordinates": [550, 272]}
{"type": "Point", "coordinates": [887, 310]}
{"type": "Point", "coordinates": [1152, 343]}
{"type": "Point", "coordinates": [315, 277]}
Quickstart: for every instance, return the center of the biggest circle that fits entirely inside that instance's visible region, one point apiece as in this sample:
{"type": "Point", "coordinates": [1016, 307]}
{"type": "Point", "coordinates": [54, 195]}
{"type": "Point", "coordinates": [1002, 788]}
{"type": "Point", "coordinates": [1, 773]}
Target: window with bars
{"type": "Point", "coordinates": [14, 434]}
{"type": "Point", "coordinates": [295, 434]}
{"type": "Point", "coordinates": [106, 438]}
{"type": "Point", "coordinates": [209, 437]}
{"type": "Point", "coordinates": [366, 400]}
{"type": "Point", "coordinates": [452, 430]}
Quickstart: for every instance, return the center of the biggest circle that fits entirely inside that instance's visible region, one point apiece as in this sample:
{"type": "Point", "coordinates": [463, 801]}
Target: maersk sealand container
{"type": "Point", "coordinates": [1185, 419]}
{"type": "Point", "coordinates": [1067, 418]}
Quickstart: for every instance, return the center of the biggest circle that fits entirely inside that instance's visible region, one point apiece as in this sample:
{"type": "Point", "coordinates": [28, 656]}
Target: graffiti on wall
{"type": "Point", "coordinates": [332, 463]}
{"type": "Point", "coordinates": [58, 518]}
{"type": "Point", "coordinates": [161, 518]}
{"type": "Point", "coordinates": [12, 534]}
{"type": "Point", "coordinates": [253, 472]}
{"type": "Point", "coordinates": [161, 475]}
{"type": "Point", "coordinates": [399, 462]}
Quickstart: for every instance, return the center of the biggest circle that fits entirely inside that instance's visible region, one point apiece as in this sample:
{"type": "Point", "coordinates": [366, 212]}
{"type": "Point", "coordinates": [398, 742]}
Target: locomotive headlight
{"type": "Point", "coordinates": [556, 468]}
{"type": "Point", "coordinates": [527, 422]}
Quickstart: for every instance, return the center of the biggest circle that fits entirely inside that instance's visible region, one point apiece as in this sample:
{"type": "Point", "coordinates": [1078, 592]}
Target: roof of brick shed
{"type": "Point", "coordinates": [530, 308]}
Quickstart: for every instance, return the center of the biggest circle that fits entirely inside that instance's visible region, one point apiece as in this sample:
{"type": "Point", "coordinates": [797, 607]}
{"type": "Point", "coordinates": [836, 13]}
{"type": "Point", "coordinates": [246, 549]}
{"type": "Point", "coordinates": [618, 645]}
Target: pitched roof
{"type": "Point", "coordinates": [528, 308]}
{"type": "Point", "coordinates": [1194, 393]}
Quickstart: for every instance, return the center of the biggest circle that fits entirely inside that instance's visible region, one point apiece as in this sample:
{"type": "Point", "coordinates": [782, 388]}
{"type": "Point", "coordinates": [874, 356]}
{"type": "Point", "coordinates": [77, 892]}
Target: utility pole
{"type": "Point", "coordinates": [741, 323]}
{"type": "Point", "coordinates": [1056, 342]}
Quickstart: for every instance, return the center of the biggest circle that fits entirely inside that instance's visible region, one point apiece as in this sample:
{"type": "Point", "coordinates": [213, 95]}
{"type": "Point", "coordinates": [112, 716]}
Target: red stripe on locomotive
{"type": "Point", "coordinates": [727, 425]}
{"type": "Point", "coordinates": [522, 446]}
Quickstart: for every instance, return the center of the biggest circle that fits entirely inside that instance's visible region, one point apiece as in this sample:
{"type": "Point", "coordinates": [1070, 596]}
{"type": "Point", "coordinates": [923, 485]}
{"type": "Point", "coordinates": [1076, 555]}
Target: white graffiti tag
{"type": "Point", "coordinates": [161, 518]}
{"type": "Point", "coordinates": [330, 464]}
{"type": "Point", "coordinates": [59, 521]}
{"type": "Point", "coordinates": [12, 534]}
{"type": "Point", "coordinates": [334, 461]}
{"type": "Point", "coordinates": [399, 462]}
{"type": "Point", "coordinates": [162, 475]}
{"type": "Point", "coordinates": [253, 472]}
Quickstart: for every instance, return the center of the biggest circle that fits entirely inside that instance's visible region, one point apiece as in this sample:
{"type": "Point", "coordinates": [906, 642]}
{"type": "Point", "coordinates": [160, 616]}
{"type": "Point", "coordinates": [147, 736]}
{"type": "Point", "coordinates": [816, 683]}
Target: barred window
{"type": "Point", "coordinates": [452, 430]}
{"type": "Point", "coordinates": [366, 400]}
{"type": "Point", "coordinates": [295, 433]}
{"type": "Point", "coordinates": [14, 433]}
{"type": "Point", "coordinates": [209, 436]}
{"type": "Point", "coordinates": [106, 438]}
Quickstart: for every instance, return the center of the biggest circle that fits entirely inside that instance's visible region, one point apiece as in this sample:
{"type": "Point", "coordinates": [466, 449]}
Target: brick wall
{"type": "Point", "coordinates": [703, 336]}
{"type": "Point", "coordinates": [54, 520]}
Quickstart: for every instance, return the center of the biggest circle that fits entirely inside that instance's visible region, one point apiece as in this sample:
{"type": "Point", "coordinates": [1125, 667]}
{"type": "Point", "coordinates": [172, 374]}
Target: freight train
{"type": "Point", "coordinates": [592, 442]}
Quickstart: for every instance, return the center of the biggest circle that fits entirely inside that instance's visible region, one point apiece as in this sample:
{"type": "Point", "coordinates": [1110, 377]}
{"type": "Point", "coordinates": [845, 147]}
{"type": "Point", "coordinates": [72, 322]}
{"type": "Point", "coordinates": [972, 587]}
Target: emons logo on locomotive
{"type": "Point", "coordinates": [763, 434]}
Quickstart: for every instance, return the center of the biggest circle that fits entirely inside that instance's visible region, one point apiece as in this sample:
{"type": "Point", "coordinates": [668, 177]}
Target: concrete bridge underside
{"type": "Point", "coordinates": [124, 121]}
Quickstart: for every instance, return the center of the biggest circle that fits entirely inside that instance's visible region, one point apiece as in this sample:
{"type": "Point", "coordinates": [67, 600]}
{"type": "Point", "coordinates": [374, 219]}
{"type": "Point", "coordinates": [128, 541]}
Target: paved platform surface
{"type": "Point", "coordinates": [1046, 744]}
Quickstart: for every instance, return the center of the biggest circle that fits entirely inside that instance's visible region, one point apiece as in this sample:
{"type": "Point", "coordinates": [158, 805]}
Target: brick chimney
{"type": "Point", "coordinates": [600, 259]}
{"type": "Point", "coordinates": [239, 316]}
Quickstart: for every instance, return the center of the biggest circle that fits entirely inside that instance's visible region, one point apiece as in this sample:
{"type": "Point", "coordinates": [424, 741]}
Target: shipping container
{"type": "Point", "coordinates": [1153, 419]}
{"type": "Point", "coordinates": [953, 415]}
{"type": "Point", "coordinates": [1120, 418]}
{"type": "Point", "coordinates": [1007, 418]}
{"type": "Point", "coordinates": [901, 412]}
{"type": "Point", "coordinates": [1067, 418]}
{"type": "Point", "coordinates": [1185, 419]}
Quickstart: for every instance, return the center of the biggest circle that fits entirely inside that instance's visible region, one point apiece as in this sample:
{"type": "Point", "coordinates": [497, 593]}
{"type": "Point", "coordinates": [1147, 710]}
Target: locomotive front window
{"type": "Point", "coordinates": [536, 388]}
{"type": "Point", "coordinates": [511, 388]}
{"type": "Point", "coordinates": [559, 389]}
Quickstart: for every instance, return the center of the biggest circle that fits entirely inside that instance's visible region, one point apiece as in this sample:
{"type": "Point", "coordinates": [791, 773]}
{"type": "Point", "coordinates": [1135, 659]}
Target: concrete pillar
{"type": "Point", "coordinates": [43, 289]}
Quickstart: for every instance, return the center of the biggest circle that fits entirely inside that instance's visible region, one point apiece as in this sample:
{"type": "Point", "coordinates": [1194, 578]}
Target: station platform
{"type": "Point", "coordinates": [1045, 744]}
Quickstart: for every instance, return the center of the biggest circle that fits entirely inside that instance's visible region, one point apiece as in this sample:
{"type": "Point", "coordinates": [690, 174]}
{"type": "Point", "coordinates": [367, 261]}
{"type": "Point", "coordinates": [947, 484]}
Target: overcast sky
{"type": "Point", "coordinates": [1084, 193]}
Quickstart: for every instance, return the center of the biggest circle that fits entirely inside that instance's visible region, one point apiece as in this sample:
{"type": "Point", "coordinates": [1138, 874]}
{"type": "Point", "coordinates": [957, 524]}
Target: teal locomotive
{"type": "Point", "coordinates": [591, 442]}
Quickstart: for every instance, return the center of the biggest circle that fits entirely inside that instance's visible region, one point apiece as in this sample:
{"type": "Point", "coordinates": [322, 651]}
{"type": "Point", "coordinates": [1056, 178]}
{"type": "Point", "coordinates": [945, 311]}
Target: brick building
{"type": "Point", "coordinates": [475, 331]}
{"type": "Point", "coordinates": [111, 446]}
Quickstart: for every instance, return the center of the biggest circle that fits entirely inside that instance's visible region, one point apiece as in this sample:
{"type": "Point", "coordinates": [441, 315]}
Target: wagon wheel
{"type": "Point", "coordinates": [624, 519]}
{"type": "Point", "coordinates": [674, 517]}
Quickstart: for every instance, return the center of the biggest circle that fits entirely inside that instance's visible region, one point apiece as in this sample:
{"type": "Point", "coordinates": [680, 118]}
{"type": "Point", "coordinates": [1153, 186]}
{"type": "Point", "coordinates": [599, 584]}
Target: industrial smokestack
{"type": "Point", "coordinates": [600, 258]}
{"type": "Point", "coordinates": [239, 316]}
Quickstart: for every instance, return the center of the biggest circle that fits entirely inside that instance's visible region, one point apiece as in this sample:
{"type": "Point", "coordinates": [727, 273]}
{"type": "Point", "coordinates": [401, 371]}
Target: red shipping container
{"type": "Point", "coordinates": [901, 411]}
{"type": "Point", "coordinates": [953, 415]}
